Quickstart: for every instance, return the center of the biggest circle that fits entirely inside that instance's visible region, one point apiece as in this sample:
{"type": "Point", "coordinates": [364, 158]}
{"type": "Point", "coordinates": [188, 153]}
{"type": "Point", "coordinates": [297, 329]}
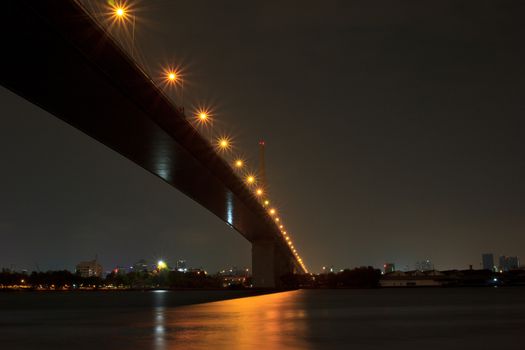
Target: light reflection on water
{"type": "Point", "coordinates": [160, 328]}
{"type": "Point", "coordinates": [271, 321]}
{"type": "Point", "coordinates": [430, 319]}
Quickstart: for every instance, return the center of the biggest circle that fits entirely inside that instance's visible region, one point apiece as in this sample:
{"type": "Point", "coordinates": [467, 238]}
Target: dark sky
{"type": "Point", "coordinates": [394, 133]}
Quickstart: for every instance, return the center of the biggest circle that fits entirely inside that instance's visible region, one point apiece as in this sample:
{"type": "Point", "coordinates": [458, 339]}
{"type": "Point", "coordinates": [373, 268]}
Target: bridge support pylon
{"type": "Point", "coordinates": [269, 263]}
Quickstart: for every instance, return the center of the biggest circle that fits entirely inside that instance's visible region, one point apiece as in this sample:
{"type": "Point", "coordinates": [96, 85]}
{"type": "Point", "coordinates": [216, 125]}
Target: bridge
{"type": "Point", "coordinates": [55, 55]}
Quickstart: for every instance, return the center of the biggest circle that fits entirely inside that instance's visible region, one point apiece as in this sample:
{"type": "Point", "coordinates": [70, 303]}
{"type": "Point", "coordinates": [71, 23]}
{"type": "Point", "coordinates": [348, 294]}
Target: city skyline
{"type": "Point", "coordinates": [418, 158]}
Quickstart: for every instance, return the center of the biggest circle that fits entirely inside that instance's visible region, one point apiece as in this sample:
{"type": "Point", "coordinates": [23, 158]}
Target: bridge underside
{"type": "Point", "coordinates": [57, 57]}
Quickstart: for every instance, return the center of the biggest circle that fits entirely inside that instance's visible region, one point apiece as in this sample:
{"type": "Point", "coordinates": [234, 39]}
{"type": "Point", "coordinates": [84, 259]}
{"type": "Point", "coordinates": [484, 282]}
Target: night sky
{"type": "Point", "coordinates": [394, 133]}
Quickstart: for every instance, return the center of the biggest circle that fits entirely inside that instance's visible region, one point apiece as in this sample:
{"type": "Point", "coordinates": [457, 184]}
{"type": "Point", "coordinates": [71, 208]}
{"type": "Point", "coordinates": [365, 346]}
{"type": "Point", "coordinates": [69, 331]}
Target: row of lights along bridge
{"type": "Point", "coordinates": [204, 117]}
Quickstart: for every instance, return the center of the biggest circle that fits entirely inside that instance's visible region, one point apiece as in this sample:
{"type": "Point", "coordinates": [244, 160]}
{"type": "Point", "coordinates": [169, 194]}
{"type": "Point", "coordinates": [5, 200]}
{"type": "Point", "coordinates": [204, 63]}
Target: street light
{"type": "Point", "coordinates": [239, 163]}
{"type": "Point", "coordinates": [121, 13]}
{"type": "Point", "coordinates": [250, 179]}
{"type": "Point", "coordinates": [203, 117]}
{"type": "Point", "coordinates": [174, 77]}
{"type": "Point", "coordinates": [224, 143]}
{"type": "Point", "coordinates": [161, 265]}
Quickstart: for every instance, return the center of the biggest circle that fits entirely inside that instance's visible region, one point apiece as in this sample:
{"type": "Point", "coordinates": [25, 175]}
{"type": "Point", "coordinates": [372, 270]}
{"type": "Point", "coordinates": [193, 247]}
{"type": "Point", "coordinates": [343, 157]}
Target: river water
{"type": "Point", "coordinates": [463, 318]}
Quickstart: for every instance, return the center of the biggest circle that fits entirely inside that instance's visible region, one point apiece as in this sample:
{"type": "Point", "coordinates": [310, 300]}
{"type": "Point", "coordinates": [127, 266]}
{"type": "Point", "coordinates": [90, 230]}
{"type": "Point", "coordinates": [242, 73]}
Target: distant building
{"type": "Point", "coordinates": [389, 267]}
{"type": "Point", "coordinates": [424, 265]}
{"type": "Point", "coordinates": [507, 263]}
{"type": "Point", "coordinates": [412, 279]}
{"type": "Point", "coordinates": [513, 262]}
{"type": "Point", "coordinates": [89, 269]}
{"type": "Point", "coordinates": [488, 261]}
{"type": "Point", "coordinates": [141, 266]}
{"type": "Point", "coordinates": [181, 266]}
{"type": "Point", "coordinates": [502, 263]}
{"type": "Point", "coordinates": [233, 276]}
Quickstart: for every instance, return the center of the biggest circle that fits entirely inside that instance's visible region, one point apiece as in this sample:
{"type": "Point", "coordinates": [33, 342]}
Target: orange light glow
{"type": "Point", "coordinates": [203, 116]}
{"type": "Point", "coordinates": [172, 76]}
{"type": "Point", "coordinates": [224, 143]}
{"type": "Point", "coordinates": [239, 163]}
{"type": "Point", "coordinates": [250, 179]}
{"type": "Point", "coordinates": [119, 11]}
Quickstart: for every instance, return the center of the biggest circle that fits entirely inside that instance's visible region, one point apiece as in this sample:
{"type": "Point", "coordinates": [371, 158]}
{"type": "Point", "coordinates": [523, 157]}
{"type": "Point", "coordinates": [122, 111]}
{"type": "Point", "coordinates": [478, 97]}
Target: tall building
{"type": "Point", "coordinates": [507, 263]}
{"type": "Point", "coordinates": [89, 269]}
{"type": "Point", "coordinates": [487, 260]}
{"type": "Point", "coordinates": [513, 262]}
{"type": "Point", "coordinates": [389, 267]}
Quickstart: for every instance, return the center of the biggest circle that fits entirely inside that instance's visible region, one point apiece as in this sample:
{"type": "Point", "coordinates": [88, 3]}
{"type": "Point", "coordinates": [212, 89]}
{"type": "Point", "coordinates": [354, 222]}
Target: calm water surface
{"type": "Point", "coordinates": [305, 319]}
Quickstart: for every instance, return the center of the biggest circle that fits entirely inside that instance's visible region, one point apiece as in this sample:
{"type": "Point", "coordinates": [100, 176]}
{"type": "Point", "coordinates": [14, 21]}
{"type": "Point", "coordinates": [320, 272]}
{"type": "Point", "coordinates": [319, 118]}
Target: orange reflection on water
{"type": "Point", "coordinates": [272, 321]}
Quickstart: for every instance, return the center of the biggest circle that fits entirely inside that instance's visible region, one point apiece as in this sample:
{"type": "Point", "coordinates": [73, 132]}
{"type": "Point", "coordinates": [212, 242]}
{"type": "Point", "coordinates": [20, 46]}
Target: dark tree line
{"type": "Point", "coordinates": [362, 277]}
{"type": "Point", "coordinates": [163, 279]}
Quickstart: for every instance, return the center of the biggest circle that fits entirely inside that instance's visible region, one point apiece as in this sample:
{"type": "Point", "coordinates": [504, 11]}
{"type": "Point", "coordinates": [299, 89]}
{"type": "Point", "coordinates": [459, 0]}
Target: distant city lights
{"type": "Point", "coordinates": [161, 265]}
